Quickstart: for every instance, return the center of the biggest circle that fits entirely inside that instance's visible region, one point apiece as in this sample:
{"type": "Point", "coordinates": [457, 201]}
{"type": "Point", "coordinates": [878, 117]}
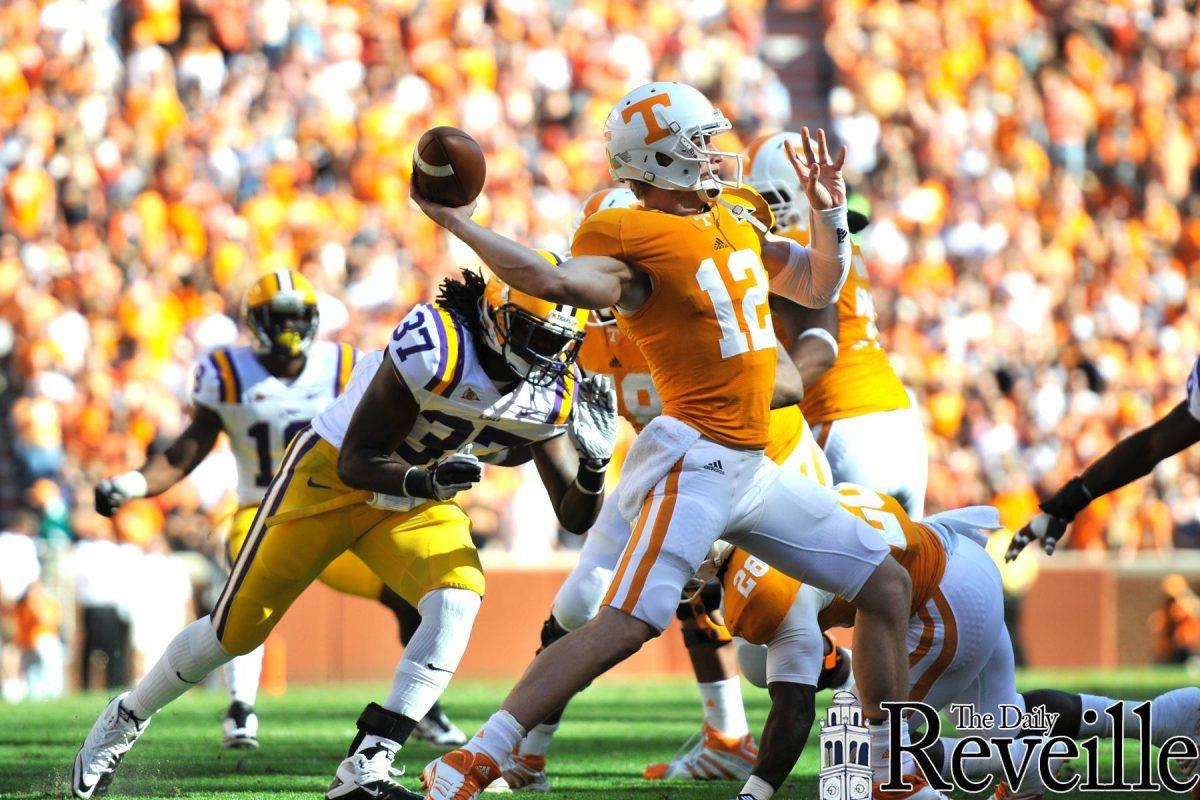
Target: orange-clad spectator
{"type": "Point", "coordinates": [29, 198]}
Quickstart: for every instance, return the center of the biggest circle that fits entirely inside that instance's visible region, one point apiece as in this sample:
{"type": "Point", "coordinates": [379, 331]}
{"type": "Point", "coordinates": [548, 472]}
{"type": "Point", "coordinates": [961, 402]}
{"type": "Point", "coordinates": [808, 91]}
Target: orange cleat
{"type": "Point", "coordinates": [709, 756]}
{"type": "Point", "coordinates": [526, 772]}
{"type": "Point", "coordinates": [459, 775]}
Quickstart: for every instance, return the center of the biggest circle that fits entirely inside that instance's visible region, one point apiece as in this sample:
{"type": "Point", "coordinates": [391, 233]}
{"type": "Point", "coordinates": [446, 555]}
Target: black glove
{"type": "Point", "coordinates": [447, 477]}
{"type": "Point", "coordinates": [112, 493]}
{"type": "Point", "coordinates": [1057, 513]}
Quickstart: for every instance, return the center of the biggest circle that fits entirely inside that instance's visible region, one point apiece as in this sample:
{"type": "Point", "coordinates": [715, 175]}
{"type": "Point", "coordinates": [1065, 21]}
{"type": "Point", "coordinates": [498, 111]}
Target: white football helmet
{"type": "Point", "coordinates": [770, 173]}
{"type": "Point", "coordinates": [709, 568]}
{"type": "Point", "coordinates": [659, 134]}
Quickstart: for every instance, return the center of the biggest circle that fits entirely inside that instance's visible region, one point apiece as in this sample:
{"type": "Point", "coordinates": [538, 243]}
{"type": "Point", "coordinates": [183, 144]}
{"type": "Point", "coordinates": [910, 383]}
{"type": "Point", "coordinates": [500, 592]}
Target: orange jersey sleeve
{"type": "Point", "coordinates": [706, 330]}
{"type": "Point", "coordinates": [756, 597]}
{"type": "Point", "coordinates": [861, 380]}
{"type": "Point", "coordinates": [918, 548]}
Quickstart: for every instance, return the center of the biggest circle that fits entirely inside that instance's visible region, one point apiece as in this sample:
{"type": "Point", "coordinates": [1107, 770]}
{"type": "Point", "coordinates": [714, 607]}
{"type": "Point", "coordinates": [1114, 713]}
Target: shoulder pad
{"type": "Point", "coordinates": [427, 349]}
{"type": "Point", "coordinates": [216, 380]}
{"type": "Point", "coordinates": [600, 234]}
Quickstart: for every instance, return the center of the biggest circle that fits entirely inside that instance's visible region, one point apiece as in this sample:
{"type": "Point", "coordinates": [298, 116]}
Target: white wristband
{"type": "Point", "coordinates": [131, 484]}
{"type": "Point", "coordinates": [757, 788]}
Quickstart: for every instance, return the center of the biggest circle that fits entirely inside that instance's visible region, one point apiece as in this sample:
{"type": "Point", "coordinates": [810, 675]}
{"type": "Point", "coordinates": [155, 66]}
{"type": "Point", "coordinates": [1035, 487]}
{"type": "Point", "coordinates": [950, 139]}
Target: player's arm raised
{"type": "Point", "coordinates": [1131, 458]}
{"type": "Point", "coordinates": [583, 281]}
{"type": "Point", "coordinates": [381, 422]}
{"type": "Point", "coordinates": [813, 276]}
{"type": "Point", "coordinates": [164, 469]}
{"type": "Point", "coordinates": [573, 467]}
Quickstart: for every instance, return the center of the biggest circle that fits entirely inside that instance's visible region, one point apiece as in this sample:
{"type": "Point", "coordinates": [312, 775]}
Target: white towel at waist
{"type": "Point", "coordinates": [970, 522]}
{"type": "Point", "coordinates": [654, 452]}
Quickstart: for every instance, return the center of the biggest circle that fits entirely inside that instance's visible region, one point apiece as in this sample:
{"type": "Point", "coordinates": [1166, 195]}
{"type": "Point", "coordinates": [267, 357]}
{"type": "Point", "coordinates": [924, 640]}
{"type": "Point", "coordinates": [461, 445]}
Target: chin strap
{"type": "Point", "coordinates": [744, 214]}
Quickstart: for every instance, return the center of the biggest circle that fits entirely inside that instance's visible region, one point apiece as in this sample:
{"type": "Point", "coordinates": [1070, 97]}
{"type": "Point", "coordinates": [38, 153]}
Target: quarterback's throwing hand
{"type": "Point", "coordinates": [593, 425]}
{"type": "Point", "coordinates": [1044, 528]}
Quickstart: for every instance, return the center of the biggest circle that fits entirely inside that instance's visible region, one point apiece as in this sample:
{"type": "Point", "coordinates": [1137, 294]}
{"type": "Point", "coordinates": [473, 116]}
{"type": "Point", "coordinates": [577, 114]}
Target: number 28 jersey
{"type": "Point", "coordinates": [261, 413]}
{"type": "Point", "coordinates": [434, 354]}
{"type": "Point", "coordinates": [706, 329]}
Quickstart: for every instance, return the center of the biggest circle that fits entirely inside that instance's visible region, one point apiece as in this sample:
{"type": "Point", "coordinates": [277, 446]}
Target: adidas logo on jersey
{"type": "Point", "coordinates": [719, 244]}
{"type": "Point", "coordinates": [715, 466]}
{"type": "Point", "coordinates": [615, 363]}
{"type": "Point", "coordinates": [469, 394]}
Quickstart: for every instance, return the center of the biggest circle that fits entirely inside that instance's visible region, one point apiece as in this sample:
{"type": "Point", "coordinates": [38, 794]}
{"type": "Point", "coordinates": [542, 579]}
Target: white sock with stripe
{"type": "Point", "coordinates": [242, 676]}
{"type": "Point", "coordinates": [723, 709]}
{"type": "Point", "coordinates": [188, 659]}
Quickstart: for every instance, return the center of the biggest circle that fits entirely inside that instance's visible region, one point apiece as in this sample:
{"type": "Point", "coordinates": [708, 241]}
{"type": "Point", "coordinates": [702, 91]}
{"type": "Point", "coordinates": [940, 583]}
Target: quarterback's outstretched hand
{"type": "Point", "coordinates": [1044, 528]}
{"type": "Point", "coordinates": [593, 425]}
{"type": "Point", "coordinates": [112, 493]}
{"type": "Point", "coordinates": [820, 176]}
{"type": "Point", "coordinates": [446, 216]}
{"type": "Point", "coordinates": [448, 476]}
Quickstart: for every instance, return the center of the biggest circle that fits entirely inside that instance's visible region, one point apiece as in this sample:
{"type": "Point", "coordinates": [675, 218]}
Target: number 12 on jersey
{"type": "Point", "coordinates": [755, 311]}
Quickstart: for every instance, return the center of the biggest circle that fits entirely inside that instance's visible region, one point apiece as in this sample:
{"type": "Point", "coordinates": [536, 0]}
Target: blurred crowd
{"type": "Point", "coordinates": [1030, 171]}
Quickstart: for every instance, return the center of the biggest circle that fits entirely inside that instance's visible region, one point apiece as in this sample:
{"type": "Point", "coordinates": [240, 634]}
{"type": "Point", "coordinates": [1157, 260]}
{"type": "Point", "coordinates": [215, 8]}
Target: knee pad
{"type": "Point", "coordinates": [752, 660]}
{"type": "Point", "coordinates": [551, 632]}
{"type": "Point", "coordinates": [579, 599]}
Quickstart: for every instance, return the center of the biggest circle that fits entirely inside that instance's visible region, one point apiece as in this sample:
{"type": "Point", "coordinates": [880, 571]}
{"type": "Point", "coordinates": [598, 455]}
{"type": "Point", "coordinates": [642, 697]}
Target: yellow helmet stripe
{"type": "Point", "coordinates": [230, 387]}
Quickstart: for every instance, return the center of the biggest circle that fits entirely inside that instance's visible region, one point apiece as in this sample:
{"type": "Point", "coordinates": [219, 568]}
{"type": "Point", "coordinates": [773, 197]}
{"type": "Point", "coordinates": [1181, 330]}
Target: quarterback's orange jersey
{"type": "Point", "coordinates": [758, 597]}
{"type": "Point", "coordinates": [862, 380]}
{"type": "Point", "coordinates": [705, 330]}
{"type": "Point", "coordinates": [609, 352]}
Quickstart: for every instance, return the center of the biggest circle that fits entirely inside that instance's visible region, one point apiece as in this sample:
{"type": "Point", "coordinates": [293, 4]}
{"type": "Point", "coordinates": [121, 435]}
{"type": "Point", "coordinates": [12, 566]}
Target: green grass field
{"type": "Point", "coordinates": [609, 735]}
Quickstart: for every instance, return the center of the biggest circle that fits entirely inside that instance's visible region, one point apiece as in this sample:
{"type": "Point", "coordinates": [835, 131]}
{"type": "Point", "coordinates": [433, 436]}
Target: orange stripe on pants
{"type": "Point", "coordinates": [949, 648]}
{"type": "Point", "coordinates": [662, 521]}
{"type": "Point", "coordinates": [634, 540]}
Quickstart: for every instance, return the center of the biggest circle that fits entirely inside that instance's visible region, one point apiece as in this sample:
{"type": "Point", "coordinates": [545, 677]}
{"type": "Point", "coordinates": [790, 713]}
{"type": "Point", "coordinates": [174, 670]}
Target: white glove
{"type": "Point", "coordinates": [593, 425]}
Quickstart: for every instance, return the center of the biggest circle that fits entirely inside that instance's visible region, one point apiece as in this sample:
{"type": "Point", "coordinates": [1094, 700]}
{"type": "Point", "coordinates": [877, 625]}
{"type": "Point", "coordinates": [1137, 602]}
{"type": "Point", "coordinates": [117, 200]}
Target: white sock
{"type": "Point", "coordinates": [242, 676]}
{"type": "Point", "coordinates": [371, 740]}
{"type": "Point", "coordinates": [1175, 713]}
{"type": "Point", "coordinates": [537, 743]}
{"type": "Point", "coordinates": [723, 709]}
{"type": "Point", "coordinates": [881, 751]}
{"type": "Point", "coordinates": [757, 788]}
{"type": "Point", "coordinates": [433, 653]}
{"type": "Point", "coordinates": [498, 736]}
{"type": "Point", "coordinates": [188, 659]}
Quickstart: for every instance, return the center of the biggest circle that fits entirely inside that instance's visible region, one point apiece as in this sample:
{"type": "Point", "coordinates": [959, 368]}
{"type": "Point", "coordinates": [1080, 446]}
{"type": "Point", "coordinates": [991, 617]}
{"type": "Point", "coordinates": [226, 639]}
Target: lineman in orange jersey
{"type": "Point", "coordinates": [958, 645]}
{"type": "Point", "coordinates": [688, 276]}
{"type": "Point", "coordinates": [725, 748]}
{"type": "Point", "coordinates": [861, 413]}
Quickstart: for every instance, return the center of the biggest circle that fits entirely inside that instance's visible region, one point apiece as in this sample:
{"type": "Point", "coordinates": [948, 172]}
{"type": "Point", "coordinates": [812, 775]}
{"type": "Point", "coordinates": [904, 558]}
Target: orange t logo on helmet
{"type": "Point", "coordinates": [645, 107]}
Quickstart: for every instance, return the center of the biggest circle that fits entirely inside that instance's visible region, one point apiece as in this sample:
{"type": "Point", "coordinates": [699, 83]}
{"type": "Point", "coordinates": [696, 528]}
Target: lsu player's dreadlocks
{"type": "Point", "coordinates": [462, 299]}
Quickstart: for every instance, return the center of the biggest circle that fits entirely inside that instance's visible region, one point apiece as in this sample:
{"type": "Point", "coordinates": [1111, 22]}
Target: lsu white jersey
{"type": "Point", "coordinates": [260, 412]}
{"type": "Point", "coordinates": [435, 355]}
{"type": "Point", "coordinates": [1193, 390]}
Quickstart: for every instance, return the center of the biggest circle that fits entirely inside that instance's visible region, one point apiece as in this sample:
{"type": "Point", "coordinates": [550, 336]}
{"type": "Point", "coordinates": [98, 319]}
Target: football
{"type": "Point", "coordinates": [448, 166]}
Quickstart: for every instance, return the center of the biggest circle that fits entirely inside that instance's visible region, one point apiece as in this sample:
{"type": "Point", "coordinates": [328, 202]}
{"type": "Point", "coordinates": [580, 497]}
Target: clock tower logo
{"type": "Point", "coordinates": [845, 751]}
